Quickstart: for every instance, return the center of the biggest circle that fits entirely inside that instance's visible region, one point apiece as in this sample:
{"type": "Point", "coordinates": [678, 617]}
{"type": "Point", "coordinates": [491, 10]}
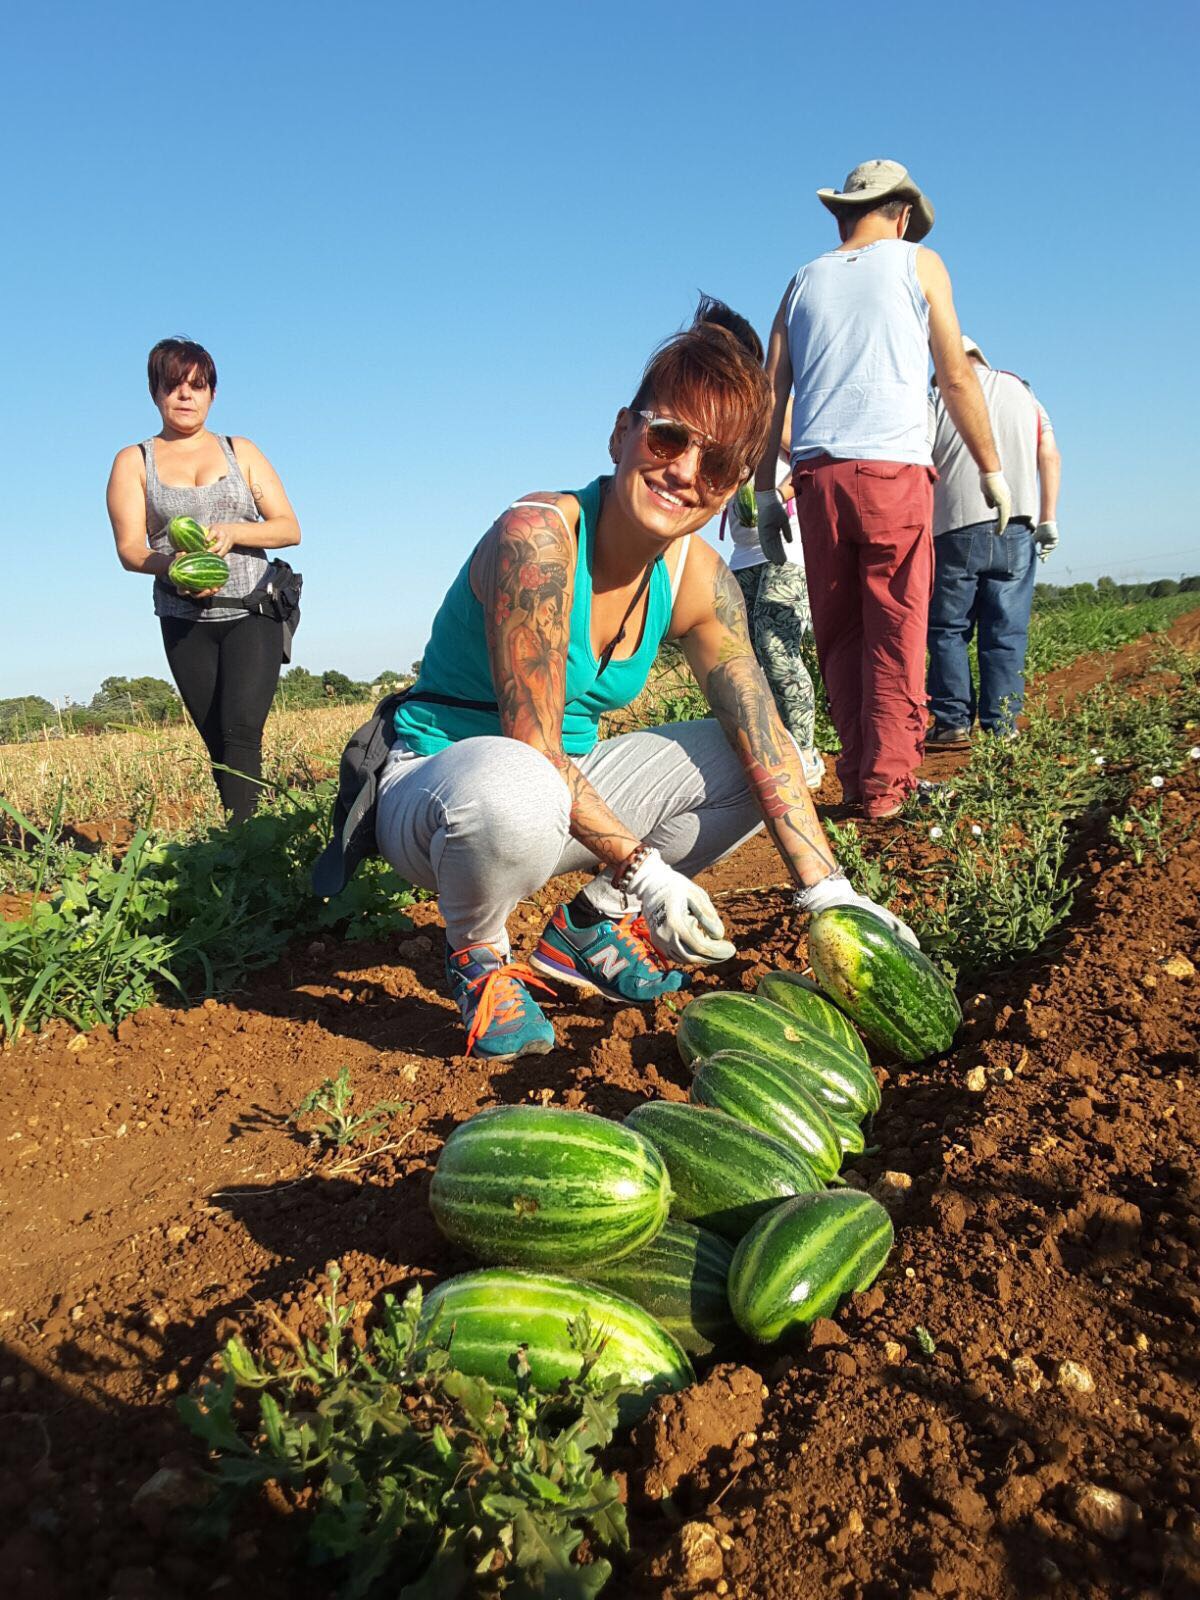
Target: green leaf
{"type": "Point", "coordinates": [546, 1487]}
{"type": "Point", "coordinates": [502, 1507]}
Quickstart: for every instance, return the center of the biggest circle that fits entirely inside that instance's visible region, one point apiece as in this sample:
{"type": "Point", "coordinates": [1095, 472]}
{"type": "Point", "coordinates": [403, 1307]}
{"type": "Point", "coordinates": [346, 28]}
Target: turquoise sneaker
{"type": "Point", "coordinates": [616, 959]}
{"type": "Point", "coordinates": [502, 1018]}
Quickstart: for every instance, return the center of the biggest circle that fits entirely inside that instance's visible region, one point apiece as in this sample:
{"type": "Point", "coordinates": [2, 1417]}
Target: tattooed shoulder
{"type": "Point", "coordinates": [525, 569]}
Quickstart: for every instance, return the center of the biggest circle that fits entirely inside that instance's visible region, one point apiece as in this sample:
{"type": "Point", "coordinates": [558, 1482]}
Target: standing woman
{"type": "Point", "coordinates": [225, 660]}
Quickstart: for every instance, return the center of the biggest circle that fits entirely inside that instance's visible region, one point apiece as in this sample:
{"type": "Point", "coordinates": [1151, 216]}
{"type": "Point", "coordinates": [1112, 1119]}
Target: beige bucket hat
{"type": "Point", "coordinates": [972, 349]}
{"type": "Point", "coordinates": [874, 181]}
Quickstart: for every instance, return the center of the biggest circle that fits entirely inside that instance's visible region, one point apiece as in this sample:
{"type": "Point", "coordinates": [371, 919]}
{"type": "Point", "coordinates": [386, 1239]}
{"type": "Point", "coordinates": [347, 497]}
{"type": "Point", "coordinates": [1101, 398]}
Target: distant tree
{"type": "Point", "coordinates": [134, 700]}
{"type": "Point", "coordinates": [24, 715]}
{"type": "Point", "coordinates": [1190, 584]}
{"type": "Point", "coordinates": [415, 669]}
{"type": "Point", "coordinates": [338, 686]}
{"type": "Point", "coordinates": [299, 688]}
{"type": "Point", "coordinates": [1162, 587]}
{"type": "Point", "coordinates": [1106, 587]}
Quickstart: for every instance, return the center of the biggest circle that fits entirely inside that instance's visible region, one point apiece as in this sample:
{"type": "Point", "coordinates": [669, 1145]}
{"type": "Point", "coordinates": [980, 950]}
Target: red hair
{"type": "Point", "coordinates": [706, 376]}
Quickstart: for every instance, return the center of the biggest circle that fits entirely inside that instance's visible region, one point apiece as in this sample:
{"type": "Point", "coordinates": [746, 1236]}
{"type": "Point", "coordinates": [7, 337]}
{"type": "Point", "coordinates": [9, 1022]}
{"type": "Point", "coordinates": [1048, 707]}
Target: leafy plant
{"type": "Point", "coordinates": [423, 1478]}
{"type": "Point", "coordinates": [88, 954]}
{"type": "Point", "coordinates": [190, 916]}
{"type": "Point", "coordinates": [339, 1126]}
{"type": "Point", "coordinates": [998, 899]}
{"type": "Point", "coordinates": [865, 871]}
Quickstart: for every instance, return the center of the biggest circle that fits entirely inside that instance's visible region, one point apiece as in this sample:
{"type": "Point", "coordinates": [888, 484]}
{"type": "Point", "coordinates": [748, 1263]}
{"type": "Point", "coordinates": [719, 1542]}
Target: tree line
{"type": "Point", "coordinates": [122, 703]}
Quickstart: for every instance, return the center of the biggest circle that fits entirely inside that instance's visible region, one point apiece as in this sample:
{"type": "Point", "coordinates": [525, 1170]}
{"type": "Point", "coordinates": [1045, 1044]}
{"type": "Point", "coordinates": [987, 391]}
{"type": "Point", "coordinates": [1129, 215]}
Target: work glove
{"type": "Point", "coordinates": [1045, 536]}
{"type": "Point", "coordinates": [835, 890]}
{"type": "Point", "coordinates": [998, 495]}
{"type": "Point", "coordinates": [773, 526]}
{"type": "Point", "coordinates": [682, 921]}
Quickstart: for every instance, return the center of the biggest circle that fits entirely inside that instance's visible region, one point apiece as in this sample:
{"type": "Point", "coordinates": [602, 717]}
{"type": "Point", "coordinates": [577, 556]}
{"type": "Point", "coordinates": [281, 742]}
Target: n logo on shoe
{"type": "Point", "coordinates": [608, 962]}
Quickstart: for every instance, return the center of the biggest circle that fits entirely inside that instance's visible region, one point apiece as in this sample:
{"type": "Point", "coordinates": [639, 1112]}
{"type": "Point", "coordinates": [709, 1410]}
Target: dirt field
{"type": "Point", "coordinates": [1047, 1198]}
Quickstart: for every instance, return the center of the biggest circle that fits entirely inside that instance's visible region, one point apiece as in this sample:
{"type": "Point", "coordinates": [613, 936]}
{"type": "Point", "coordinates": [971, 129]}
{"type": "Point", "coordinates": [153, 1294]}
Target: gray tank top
{"type": "Point", "coordinates": [227, 500]}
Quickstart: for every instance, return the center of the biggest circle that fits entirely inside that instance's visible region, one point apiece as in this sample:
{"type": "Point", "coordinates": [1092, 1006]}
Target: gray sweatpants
{"type": "Point", "coordinates": [485, 822]}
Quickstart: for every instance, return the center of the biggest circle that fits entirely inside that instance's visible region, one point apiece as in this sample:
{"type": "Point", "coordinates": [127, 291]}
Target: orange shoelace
{"type": "Point", "coordinates": [500, 999]}
{"type": "Point", "coordinates": [633, 927]}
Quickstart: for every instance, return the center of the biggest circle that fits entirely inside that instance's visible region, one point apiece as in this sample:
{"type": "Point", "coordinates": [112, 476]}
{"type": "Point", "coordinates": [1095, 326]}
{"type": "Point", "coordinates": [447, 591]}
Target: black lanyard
{"type": "Point", "coordinates": [607, 653]}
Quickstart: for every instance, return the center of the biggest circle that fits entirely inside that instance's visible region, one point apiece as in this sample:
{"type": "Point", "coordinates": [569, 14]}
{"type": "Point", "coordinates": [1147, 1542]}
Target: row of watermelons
{"type": "Point", "coordinates": [690, 1221]}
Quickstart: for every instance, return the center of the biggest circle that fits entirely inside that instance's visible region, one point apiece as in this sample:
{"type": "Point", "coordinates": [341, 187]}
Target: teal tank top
{"type": "Point", "coordinates": [456, 663]}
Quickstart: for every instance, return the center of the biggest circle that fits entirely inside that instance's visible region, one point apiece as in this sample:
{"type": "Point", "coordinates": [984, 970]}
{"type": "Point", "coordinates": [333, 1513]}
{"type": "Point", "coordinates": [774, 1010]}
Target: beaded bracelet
{"type": "Point", "coordinates": [623, 873]}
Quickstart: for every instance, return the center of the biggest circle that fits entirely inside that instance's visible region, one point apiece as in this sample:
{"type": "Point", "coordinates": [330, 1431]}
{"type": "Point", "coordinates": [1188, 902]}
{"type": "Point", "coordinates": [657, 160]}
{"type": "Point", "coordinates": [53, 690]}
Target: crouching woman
{"type": "Point", "coordinates": [498, 780]}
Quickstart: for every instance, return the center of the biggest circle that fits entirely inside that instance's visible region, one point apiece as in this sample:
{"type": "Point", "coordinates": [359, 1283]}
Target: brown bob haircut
{"type": "Point", "coordinates": [173, 360]}
{"type": "Point", "coordinates": [708, 377]}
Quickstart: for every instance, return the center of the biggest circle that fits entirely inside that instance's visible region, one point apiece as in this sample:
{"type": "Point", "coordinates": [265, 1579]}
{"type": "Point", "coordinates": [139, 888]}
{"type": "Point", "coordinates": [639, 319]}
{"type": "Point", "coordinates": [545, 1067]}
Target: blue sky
{"type": "Point", "coordinates": [431, 247]}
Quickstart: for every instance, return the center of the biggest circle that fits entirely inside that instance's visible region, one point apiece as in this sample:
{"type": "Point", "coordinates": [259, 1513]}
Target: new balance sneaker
{"type": "Point", "coordinates": [616, 959]}
{"type": "Point", "coordinates": [502, 1018]}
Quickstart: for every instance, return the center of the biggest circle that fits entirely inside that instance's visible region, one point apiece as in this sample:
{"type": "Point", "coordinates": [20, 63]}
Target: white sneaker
{"type": "Point", "coordinates": [814, 768]}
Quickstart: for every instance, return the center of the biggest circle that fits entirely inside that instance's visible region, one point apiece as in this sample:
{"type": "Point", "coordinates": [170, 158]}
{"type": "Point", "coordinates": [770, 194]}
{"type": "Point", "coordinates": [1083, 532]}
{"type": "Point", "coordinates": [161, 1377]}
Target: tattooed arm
{"type": "Point", "coordinates": [716, 642]}
{"type": "Point", "coordinates": [524, 576]}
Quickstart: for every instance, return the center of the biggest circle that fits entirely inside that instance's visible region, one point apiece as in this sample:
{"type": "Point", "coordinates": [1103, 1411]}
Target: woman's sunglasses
{"type": "Point", "coordinates": [721, 466]}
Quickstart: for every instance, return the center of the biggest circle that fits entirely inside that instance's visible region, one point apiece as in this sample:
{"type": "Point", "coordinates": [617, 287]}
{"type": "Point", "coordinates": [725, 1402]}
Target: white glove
{"type": "Point", "coordinates": [998, 495]}
{"type": "Point", "coordinates": [773, 525]}
{"type": "Point", "coordinates": [1045, 536]}
{"type": "Point", "coordinates": [682, 920]}
{"type": "Point", "coordinates": [835, 890]}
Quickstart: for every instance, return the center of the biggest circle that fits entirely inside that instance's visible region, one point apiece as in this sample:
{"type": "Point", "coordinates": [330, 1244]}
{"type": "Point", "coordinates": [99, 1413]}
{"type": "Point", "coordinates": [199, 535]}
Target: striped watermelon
{"type": "Point", "coordinates": [841, 1080]}
{"type": "Point", "coordinates": [773, 1098]}
{"type": "Point", "coordinates": [803, 999]}
{"type": "Point", "coordinates": [850, 1135]}
{"type": "Point", "coordinates": [196, 573]}
{"type": "Point", "coordinates": [537, 1186]}
{"type": "Point", "coordinates": [803, 1257]}
{"type": "Point", "coordinates": [724, 1175]}
{"type": "Point", "coordinates": [894, 993]}
{"type": "Point", "coordinates": [484, 1316]}
{"type": "Point", "coordinates": [680, 1279]}
{"type": "Point", "coordinates": [187, 535]}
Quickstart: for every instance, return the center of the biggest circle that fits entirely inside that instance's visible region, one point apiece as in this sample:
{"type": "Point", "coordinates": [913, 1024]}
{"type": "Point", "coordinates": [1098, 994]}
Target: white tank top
{"type": "Point", "coordinates": [858, 332]}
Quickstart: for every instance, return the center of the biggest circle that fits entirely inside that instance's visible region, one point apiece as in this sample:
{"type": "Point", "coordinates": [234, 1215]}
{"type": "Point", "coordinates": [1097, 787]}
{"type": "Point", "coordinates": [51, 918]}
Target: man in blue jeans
{"type": "Point", "coordinates": [983, 580]}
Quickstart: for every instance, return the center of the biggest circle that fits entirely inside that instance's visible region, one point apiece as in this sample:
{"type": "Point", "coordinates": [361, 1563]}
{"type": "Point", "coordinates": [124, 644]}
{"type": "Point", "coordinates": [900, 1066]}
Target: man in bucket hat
{"type": "Point", "coordinates": [852, 340]}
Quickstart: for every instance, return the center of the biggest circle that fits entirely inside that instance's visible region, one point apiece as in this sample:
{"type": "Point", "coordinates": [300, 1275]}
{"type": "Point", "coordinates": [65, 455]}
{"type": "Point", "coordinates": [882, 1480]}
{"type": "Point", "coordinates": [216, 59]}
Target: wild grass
{"type": "Point", "coordinates": [161, 775]}
{"type": "Point", "coordinates": [997, 874]}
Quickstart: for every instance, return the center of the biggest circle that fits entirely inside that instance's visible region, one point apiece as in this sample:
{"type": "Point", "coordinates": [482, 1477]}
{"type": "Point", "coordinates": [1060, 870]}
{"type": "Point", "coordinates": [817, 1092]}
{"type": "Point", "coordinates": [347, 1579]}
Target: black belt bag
{"type": "Point", "coordinates": [277, 596]}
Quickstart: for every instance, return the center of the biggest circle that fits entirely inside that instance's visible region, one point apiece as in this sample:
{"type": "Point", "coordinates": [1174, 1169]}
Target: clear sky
{"type": "Point", "coordinates": [430, 248]}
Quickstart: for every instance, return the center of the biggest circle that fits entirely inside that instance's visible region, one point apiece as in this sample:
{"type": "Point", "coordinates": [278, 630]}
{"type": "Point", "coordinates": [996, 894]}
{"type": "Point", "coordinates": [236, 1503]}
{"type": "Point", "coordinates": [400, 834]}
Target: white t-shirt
{"type": "Point", "coordinates": [747, 552]}
{"type": "Point", "coordinates": [1018, 421]}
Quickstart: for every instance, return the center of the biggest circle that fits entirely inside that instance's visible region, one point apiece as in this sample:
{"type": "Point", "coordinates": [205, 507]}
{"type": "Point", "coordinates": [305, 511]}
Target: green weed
{"type": "Point", "coordinates": [184, 916]}
{"type": "Point", "coordinates": [337, 1124]}
{"type": "Point", "coordinates": [424, 1480]}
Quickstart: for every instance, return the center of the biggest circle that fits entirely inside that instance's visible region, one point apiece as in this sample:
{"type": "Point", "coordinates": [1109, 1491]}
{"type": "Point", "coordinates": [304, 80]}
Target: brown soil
{"type": "Point", "coordinates": [155, 1199]}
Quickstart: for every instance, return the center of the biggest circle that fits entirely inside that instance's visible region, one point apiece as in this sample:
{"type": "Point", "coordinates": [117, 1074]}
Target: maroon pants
{"type": "Point", "coordinates": [866, 527]}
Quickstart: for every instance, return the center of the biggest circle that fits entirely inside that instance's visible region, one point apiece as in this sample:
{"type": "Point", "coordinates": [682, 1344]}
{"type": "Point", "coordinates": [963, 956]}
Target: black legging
{"type": "Point", "coordinates": [226, 673]}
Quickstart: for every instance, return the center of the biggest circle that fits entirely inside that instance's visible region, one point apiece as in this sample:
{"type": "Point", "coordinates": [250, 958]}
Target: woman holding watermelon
{"type": "Point", "coordinates": [498, 781]}
{"type": "Point", "coordinates": [225, 660]}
